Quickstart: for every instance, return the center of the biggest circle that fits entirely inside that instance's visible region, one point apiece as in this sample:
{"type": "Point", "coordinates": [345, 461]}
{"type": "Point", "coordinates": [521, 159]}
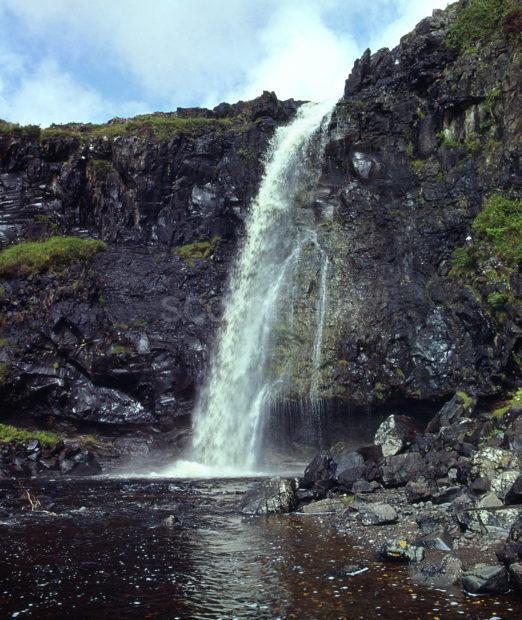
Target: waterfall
{"type": "Point", "coordinates": [230, 411]}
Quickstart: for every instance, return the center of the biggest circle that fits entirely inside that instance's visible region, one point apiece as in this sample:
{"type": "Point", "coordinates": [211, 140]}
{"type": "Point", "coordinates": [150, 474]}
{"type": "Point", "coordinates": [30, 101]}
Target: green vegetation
{"type": "Point", "coordinates": [347, 500]}
{"type": "Point", "coordinates": [198, 250]}
{"type": "Point", "coordinates": [119, 349]}
{"type": "Point", "coordinates": [466, 399]}
{"type": "Point", "coordinates": [498, 232]}
{"type": "Point", "coordinates": [32, 257]}
{"type": "Point", "coordinates": [480, 22]}
{"type": "Point", "coordinates": [448, 140]}
{"type": "Point", "coordinates": [12, 433]}
{"type": "Point", "coordinates": [29, 132]}
{"type": "Point", "coordinates": [514, 401]}
{"type": "Point", "coordinates": [100, 165]}
{"type": "Point", "coordinates": [500, 225]}
{"type": "Point", "coordinates": [4, 373]}
{"type": "Point", "coordinates": [160, 125]}
{"type": "Point", "coordinates": [463, 260]}
{"type": "Point", "coordinates": [497, 300]}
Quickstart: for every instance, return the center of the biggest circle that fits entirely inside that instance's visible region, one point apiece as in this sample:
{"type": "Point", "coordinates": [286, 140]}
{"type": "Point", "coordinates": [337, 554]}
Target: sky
{"type": "Point", "coordinates": [92, 60]}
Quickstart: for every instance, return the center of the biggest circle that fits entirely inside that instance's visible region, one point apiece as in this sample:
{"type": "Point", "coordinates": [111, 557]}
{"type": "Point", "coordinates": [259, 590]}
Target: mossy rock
{"type": "Point", "coordinates": [30, 258]}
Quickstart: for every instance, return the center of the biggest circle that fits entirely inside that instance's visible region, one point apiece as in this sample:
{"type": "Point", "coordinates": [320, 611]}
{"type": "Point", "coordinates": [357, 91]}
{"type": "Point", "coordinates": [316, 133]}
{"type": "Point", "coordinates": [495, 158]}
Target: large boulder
{"type": "Point", "coordinates": [353, 469]}
{"type": "Point", "coordinates": [501, 467]}
{"type": "Point", "coordinates": [485, 579]}
{"type": "Point", "coordinates": [320, 471]}
{"type": "Point", "coordinates": [277, 495]}
{"type": "Point", "coordinates": [395, 434]}
{"type": "Point", "coordinates": [400, 469]}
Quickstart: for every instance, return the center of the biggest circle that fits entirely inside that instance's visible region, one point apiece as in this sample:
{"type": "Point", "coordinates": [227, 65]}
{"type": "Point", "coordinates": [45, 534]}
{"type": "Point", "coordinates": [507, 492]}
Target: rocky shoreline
{"type": "Point", "coordinates": [448, 500]}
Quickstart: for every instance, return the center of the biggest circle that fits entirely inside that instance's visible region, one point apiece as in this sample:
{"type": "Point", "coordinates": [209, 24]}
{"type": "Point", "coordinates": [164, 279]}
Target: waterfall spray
{"type": "Point", "coordinates": [232, 404]}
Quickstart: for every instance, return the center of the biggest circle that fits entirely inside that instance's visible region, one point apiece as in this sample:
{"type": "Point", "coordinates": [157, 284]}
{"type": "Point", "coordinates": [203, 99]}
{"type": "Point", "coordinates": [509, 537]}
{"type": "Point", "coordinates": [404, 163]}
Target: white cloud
{"type": "Point", "coordinates": [178, 52]}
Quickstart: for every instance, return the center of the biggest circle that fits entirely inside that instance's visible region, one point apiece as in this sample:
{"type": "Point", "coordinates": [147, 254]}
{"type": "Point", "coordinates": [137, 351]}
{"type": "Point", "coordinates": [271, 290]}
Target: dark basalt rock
{"type": "Point", "coordinates": [485, 579]}
{"type": "Point", "coordinates": [402, 468]}
{"type": "Point", "coordinates": [125, 339]}
{"type": "Point", "coordinates": [277, 495]}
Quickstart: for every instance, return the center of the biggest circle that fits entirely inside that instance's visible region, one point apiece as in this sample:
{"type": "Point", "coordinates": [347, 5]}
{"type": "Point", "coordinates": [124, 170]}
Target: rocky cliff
{"type": "Point", "coordinates": [121, 337]}
{"type": "Point", "coordinates": [418, 206]}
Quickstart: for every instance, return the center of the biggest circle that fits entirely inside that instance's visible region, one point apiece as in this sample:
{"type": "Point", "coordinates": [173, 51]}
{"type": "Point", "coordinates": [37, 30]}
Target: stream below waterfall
{"type": "Point", "coordinates": [103, 551]}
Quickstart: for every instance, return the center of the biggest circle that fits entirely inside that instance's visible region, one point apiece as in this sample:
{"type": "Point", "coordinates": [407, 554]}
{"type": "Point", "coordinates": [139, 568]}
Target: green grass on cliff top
{"type": "Point", "coordinates": [160, 126]}
{"type": "Point", "coordinates": [483, 21]}
{"type": "Point", "coordinates": [32, 257]}
{"type": "Point", "coordinates": [10, 433]}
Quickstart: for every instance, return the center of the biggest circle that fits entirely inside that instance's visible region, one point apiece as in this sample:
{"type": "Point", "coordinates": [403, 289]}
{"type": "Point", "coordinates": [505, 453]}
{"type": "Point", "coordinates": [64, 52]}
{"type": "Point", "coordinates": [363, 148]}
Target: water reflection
{"type": "Point", "coordinates": [107, 554]}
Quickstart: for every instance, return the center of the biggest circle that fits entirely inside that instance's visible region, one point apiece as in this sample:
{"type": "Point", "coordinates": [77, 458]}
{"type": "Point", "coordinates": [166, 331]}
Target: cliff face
{"type": "Point", "coordinates": [422, 300]}
{"type": "Point", "coordinates": [123, 338]}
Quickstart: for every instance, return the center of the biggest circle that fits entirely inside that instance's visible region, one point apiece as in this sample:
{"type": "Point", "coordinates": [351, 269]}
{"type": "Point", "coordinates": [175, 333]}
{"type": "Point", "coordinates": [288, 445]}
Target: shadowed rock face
{"type": "Point", "coordinates": [421, 136]}
{"type": "Point", "coordinates": [123, 339]}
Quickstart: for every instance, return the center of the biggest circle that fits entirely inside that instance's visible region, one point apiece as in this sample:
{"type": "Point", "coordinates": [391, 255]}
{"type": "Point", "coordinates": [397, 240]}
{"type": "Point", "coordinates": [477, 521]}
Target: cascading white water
{"type": "Point", "coordinates": [231, 407]}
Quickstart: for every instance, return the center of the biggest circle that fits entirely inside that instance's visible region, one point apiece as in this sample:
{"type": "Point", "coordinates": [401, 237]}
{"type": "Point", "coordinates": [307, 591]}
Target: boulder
{"type": "Point", "coordinates": [277, 495]}
{"type": "Point", "coordinates": [440, 540]}
{"type": "Point", "coordinates": [417, 492]}
{"type": "Point", "coordinates": [321, 470]}
{"type": "Point", "coordinates": [515, 572]}
{"type": "Point", "coordinates": [353, 469]}
{"type": "Point", "coordinates": [455, 410]}
{"type": "Point", "coordinates": [500, 467]}
{"type": "Point", "coordinates": [485, 579]}
{"type": "Point", "coordinates": [399, 469]}
{"type": "Point", "coordinates": [399, 550]}
{"type": "Point", "coordinates": [395, 434]}
{"type": "Point", "coordinates": [377, 514]}
{"type": "Point", "coordinates": [324, 506]}
{"type": "Point", "coordinates": [363, 486]}
{"type": "Point", "coordinates": [514, 495]}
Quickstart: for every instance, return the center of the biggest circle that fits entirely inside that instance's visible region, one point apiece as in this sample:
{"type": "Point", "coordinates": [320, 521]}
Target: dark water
{"type": "Point", "coordinates": [105, 554]}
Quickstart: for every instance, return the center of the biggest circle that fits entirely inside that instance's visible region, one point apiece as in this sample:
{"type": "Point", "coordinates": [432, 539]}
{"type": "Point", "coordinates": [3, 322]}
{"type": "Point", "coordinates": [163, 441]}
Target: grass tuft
{"type": "Point", "coordinates": [32, 257]}
{"type": "Point", "coordinates": [10, 433]}
{"type": "Point", "coordinates": [198, 250]}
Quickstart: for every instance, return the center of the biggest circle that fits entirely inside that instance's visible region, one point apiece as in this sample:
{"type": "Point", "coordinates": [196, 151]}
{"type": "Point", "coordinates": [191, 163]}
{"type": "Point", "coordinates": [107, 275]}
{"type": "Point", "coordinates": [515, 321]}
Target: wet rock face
{"type": "Point", "coordinates": [124, 339]}
{"type": "Point", "coordinates": [413, 151]}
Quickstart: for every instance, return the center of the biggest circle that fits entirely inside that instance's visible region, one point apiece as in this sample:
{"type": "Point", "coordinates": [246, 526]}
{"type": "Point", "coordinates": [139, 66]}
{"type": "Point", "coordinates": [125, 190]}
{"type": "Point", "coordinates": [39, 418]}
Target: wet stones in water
{"type": "Point", "coordinates": [485, 579]}
{"type": "Point", "coordinates": [377, 514]}
{"type": "Point", "coordinates": [395, 434]}
{"type": "Point", "coordinates": [171, 521]}
{"type": "Point", "coordinates": [277, 495]}
{"type": "Point", "coordinates": [399, 550]}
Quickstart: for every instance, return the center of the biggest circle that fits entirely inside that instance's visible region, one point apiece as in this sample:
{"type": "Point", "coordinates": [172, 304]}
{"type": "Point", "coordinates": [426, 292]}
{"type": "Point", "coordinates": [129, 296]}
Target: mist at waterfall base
{"type": "Point", "coordinates": [234, 405]}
